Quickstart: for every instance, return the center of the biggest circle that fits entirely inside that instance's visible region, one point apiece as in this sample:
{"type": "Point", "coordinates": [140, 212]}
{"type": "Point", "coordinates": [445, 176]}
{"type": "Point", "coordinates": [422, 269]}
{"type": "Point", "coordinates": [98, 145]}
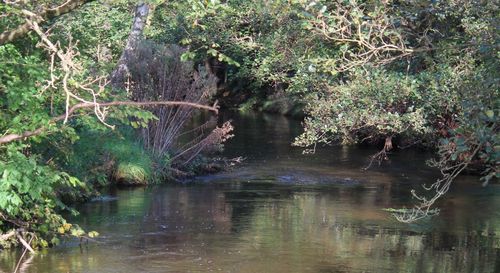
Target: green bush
{"type": "Point", "coordinates": [29, 198]}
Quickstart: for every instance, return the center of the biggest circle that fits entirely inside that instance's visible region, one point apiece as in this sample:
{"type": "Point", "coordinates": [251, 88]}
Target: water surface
{"type": "Point", "coordinates": [281, 211]}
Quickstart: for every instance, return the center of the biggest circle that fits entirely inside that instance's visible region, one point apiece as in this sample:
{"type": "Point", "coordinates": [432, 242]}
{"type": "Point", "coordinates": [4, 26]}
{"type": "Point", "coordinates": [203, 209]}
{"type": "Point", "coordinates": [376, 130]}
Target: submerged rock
{"type": "Point", "coordinates": [104, 198]}
{"type": "Point", "coordinates": [311, 179]}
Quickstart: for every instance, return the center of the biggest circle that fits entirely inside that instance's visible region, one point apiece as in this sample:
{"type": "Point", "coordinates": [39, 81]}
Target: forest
{"type": "Point", "coordinates": [99, 93]}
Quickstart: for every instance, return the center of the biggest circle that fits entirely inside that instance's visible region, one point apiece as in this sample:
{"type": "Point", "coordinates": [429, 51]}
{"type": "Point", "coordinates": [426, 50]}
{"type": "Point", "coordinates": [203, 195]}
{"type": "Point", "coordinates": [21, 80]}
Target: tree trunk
{"type": "Point", "coordinates": [120, 74]}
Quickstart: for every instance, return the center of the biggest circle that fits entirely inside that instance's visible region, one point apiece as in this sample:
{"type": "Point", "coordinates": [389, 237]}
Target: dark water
{"type": "Point", "coordinates": [281, 211]}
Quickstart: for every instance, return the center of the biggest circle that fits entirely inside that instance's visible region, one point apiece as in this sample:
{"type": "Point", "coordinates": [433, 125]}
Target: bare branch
{"type": "Point", "coordinates": [6, 236]}
{"type": "Point", "coordinates": [440, 188]}
{"type": "Point", "coordinates": [374, 41]}
{"type": "Point", "coordinates": [25, 244]}
{"type": "Point", "coordinates": [382, 154]}
{"type": "Point", "coordinates": [13, 137]}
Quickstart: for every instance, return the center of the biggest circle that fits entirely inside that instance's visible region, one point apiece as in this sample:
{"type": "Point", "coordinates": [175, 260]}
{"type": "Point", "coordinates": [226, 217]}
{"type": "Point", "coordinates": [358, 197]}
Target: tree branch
{"type": "Point", "coordinates": [13, 137]}
{"type": "Point", "coordinates": [47, 14]}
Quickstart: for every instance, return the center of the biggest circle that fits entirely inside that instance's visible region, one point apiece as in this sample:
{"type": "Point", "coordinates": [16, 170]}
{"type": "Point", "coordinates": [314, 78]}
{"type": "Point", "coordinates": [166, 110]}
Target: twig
{"type": "Point", "coordinates": [441, 187]}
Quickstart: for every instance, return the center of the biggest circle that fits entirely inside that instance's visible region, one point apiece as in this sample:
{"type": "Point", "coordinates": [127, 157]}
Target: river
{"type": "Point", "coordinates": [282, 211]}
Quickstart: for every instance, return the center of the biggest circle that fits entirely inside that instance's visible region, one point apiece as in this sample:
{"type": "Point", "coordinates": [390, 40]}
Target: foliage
{"type": "Point", "coordinates": [373, 104]}
{"type": "Point", "coordinates": [101, 27]}
{"type": "Point", "coordinates": [253, 46]}
{"type": "Point", "coordinates": [412, 59]}
{"type": "Point", "coordinates": [24, 106]}
{"type": "Point", "coordinates": [29, 199]}
{"type": "Point", "coordinates": [55, 121]}
{"type": "Point", "coordinates": [455, 90]}
{"type": "Point", "coordinates": [419, 71]}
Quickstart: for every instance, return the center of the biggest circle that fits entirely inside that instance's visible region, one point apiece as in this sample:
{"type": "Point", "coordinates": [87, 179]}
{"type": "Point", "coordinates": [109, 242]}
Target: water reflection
{"type": "Point", "coordinates": [284, 212]}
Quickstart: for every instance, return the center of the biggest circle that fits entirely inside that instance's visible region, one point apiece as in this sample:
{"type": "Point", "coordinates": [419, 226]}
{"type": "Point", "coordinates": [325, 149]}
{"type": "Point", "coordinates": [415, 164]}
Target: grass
{"type": "Point", "coordinates": [100, 158]}
{"type": "Point", "coordinates": [133, 164]}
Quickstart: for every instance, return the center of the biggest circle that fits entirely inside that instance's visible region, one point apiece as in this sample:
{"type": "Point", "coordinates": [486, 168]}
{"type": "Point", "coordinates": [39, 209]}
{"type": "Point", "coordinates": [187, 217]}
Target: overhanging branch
{"type": "Point", "coordinates": [13, 137]}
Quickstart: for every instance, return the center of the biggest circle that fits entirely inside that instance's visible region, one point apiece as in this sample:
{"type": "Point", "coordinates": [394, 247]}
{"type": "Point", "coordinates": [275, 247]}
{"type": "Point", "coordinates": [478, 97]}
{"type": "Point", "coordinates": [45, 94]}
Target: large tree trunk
{"type": "Point", "coordinates": [47, 14]}
{"type": "Point", "coordinates": [120, 74]}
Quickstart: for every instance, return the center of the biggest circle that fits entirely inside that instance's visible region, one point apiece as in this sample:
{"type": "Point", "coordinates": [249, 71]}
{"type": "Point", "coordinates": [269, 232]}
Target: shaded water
{"type": "Point", "coordinates": [281, 211]}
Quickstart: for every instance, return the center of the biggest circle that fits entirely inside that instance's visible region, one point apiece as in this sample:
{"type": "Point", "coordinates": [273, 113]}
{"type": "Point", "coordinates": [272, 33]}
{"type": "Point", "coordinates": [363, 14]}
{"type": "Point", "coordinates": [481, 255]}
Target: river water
{"type": "Point", "coordinates": [281, 211]}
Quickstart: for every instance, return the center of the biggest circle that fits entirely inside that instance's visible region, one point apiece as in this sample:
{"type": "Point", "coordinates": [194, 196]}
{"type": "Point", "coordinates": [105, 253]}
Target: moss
{"type": "Point", "coordinates": [131, 173]}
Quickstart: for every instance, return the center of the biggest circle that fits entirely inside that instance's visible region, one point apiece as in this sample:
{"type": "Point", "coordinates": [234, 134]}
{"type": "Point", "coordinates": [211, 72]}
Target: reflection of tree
{"type": "Point", "coordinates": [322, 230]}
{"type": "Point", "coordinates": [261, 136]}
{"type": "Point", "coordinates": [179, 214]}
{"type": "Point", "coordinates": [268, 227]}
{"type": "Point", "coordinates": [246, 198]}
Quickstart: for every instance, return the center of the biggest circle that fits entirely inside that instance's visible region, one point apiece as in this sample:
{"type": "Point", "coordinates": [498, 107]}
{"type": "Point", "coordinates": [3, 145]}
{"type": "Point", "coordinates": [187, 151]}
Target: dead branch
{"type": "Point", "coordinates": [218, 136]}
{"type": "Point", "coordinates": [440, 188]}
{"type": "Point", "coordinates": [26, 248]}
{"type": "Point", "coordinates": [47, 14]}
{"type": "Point", "coordinates": [6, 236]}
{"type": "Point", "coordinates": [25, 244]}
{"type": "Point", "coordinates": [69, 67]}
{"type": "Point", "coordinates": [382, 154]}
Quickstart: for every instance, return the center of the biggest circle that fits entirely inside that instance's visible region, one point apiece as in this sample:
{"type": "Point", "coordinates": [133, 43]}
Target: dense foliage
{"type": "Point", "coordinates": [34, 176]}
